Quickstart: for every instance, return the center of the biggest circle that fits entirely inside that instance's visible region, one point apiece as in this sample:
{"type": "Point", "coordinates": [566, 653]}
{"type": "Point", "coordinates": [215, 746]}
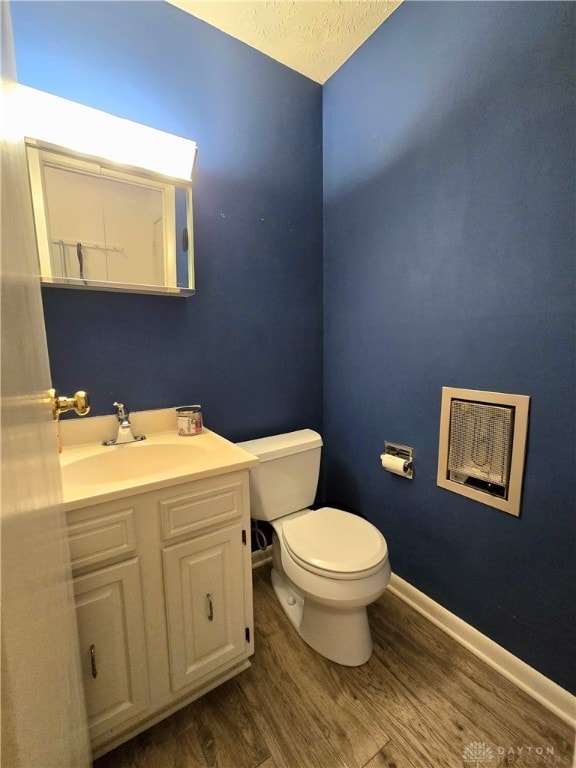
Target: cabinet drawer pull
{"type": "Point", "coordinates": [93, 660]}
{"type": "Point", "coordinates": [210, 608]}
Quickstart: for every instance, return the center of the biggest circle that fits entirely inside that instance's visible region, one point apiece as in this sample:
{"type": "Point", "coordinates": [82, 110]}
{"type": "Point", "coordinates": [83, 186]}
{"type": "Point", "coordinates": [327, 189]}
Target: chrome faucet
{"type": "Point", "coordinates": [124, 428]}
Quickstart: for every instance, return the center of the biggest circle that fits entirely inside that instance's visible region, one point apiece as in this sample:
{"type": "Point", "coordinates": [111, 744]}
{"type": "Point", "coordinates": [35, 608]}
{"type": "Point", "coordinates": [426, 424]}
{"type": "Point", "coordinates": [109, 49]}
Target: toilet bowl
{"type": "Point", "coordinates": [327, 565]}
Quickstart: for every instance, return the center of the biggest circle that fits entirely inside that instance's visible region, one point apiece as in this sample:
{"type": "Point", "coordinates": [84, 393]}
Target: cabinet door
{"type": "Point", "coordinates": [112, 645]}
{"type": "Point", "coordinates": [204, 588]}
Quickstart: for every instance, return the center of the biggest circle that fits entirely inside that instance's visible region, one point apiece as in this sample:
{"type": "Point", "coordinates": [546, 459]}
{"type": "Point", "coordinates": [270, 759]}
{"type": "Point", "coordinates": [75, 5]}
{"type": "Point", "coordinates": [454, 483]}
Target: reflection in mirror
{"type": "Point", "coordinates": [108, 226]}
{"type": "Point", "coordinates": [98, 225]}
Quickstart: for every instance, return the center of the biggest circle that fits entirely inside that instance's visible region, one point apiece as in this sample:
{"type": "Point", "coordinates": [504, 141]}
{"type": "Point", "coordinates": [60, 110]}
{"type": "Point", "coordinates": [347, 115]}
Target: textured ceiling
{"type": "Point", "coordinates": [314, 37]}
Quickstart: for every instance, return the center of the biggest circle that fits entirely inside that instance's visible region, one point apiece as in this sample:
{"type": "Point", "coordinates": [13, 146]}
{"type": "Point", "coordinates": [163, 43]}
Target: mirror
{"type": "Point", "coordinates": [101, 227]}
{"type": "Point", "coordinates": [106, 217]}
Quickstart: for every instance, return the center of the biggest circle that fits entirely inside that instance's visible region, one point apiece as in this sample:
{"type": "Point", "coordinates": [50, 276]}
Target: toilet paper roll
{"type": "Point", "coordinates": [395, 464]}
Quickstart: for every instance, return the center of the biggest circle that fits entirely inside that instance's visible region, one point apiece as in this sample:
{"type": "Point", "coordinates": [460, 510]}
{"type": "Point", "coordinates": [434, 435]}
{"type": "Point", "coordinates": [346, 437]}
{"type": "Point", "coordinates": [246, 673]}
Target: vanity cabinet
{"type": "Point", "coordinates": [163, 588]}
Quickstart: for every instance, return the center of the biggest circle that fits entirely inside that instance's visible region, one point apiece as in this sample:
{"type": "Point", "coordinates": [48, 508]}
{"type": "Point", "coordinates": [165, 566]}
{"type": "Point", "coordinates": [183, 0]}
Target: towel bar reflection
{"type": "Point", "coordinates": [93, 660]}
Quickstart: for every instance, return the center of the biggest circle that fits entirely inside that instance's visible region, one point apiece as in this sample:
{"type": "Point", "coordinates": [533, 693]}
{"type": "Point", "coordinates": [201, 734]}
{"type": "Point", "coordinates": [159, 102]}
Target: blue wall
{"type": "Point", "coordinates": [449, 253]}
{"type": "Point", "coordinates": [248, 346]}
{"type": "Point", "coordinates": [448, 261]}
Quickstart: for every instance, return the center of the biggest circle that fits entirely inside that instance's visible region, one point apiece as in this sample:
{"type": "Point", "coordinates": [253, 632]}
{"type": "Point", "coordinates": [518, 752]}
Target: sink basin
{"type": "Point", "coordinates": [135, 461]}
{"type": "Point", "coordinates": [93, 473]}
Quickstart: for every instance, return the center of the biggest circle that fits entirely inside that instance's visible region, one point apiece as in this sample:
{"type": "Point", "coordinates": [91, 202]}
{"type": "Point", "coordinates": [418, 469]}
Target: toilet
{"type": "Point", "coordinates": [327, 565]}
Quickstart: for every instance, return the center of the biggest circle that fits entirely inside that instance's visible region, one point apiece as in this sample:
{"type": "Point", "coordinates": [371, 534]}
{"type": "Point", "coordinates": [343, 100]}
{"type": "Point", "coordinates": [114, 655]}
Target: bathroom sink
{"type": "Point", "coordinates": [92, 472]}
{"type": "Point", "coordinates": [132, 462]}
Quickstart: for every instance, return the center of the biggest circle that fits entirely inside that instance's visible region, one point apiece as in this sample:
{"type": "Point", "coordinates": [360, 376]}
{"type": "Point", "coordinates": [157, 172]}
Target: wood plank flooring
{"type": "Point", "coordinates": [422, 701]}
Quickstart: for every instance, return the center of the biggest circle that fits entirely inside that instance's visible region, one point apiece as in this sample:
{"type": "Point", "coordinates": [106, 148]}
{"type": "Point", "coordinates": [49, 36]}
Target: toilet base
{"type": "Point", "coordinates": [341, 635]}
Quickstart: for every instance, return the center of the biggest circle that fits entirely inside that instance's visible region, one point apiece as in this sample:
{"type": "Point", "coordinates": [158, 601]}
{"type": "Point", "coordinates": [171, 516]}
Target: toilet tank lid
{"type": "Point", "coordinates": [276, 446]}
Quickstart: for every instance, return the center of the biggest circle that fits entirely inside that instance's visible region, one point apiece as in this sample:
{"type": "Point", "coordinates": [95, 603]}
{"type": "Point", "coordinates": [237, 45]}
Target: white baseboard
{"type": "Point", "coordinates": [545, 691]}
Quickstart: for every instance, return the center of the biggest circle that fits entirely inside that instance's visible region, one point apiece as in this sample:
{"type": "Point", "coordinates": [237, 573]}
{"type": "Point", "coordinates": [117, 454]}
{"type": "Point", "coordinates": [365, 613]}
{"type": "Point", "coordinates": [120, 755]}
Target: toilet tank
{"type": "Point", "coordinates": [286, 478]}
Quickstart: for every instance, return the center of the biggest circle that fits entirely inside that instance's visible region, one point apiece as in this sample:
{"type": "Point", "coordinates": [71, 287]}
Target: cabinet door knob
{"type": "Point", "coordinates": [210, 608]}
{"type": "Point", "coordinates": [93, 660]}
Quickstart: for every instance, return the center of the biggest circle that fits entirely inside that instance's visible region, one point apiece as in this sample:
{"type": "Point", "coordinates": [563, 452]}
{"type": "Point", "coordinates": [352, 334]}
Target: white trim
{"type": "Point", "coordinates": [545, 691]}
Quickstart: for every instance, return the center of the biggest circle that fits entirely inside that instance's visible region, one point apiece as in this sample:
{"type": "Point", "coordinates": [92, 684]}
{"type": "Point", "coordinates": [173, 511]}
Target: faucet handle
{"type": "Point", "coordinates": [121, 411]}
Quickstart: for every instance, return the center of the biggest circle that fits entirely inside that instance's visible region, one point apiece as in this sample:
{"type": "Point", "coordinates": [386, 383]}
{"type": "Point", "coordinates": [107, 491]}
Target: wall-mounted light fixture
{"type": "Point", "coordinates": [89, 131]}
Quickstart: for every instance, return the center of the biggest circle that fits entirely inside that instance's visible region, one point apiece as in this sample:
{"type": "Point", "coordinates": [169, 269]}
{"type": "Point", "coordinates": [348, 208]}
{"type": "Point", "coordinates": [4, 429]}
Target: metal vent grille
{"type": "Point", "coordinates": [480, 441]}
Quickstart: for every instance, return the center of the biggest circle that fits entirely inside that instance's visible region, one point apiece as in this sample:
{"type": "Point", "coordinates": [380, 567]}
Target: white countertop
{"type": "Point", "coordinates": [85, 479]}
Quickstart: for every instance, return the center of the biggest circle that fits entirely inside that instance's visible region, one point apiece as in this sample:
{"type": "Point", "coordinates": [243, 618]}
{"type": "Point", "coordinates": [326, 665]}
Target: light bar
{"type": "Point", "coordinates": [92, 132]}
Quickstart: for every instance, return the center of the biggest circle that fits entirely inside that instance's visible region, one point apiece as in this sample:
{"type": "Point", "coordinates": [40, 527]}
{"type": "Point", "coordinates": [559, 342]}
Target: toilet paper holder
{"type": "Point", "coordinates": [404, 459]}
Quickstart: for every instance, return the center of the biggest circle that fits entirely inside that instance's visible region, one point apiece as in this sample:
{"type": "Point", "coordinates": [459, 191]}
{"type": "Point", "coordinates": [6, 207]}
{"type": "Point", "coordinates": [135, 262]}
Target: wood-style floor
{"type": "Point", "coordinates": [422, 701]}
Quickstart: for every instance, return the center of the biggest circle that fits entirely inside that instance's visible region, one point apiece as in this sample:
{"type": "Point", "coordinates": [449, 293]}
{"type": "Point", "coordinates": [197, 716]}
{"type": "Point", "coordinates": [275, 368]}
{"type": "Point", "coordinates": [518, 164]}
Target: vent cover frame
{"type": "Point", "coordinates": [518, 405]}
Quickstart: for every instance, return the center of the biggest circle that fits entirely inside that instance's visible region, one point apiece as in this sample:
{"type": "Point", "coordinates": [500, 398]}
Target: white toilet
{"type": "Point", "coordinates": [328, 565]}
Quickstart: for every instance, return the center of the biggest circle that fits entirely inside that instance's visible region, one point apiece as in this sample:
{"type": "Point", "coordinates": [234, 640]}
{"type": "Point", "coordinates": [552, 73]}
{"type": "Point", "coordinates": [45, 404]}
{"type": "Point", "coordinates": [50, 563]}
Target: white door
{"type": "Point", "coordinates": [43, 711]}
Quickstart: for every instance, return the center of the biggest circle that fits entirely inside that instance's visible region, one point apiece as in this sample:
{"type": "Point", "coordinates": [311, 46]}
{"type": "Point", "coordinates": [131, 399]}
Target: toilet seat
{"type": "Point", "coordinates": [334, 543]}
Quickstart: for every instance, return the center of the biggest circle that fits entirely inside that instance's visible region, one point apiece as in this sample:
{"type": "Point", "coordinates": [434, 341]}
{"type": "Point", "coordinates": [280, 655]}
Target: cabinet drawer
{"type": "Point", "coordinates": [96, 536]}
{"type": "Point", "coordinates": [207, 503]}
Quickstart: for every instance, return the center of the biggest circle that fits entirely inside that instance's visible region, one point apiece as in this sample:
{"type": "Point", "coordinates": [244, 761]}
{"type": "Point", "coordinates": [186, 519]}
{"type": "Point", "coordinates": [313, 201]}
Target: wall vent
{"type": "Point", "coordinates": [483, 445]}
